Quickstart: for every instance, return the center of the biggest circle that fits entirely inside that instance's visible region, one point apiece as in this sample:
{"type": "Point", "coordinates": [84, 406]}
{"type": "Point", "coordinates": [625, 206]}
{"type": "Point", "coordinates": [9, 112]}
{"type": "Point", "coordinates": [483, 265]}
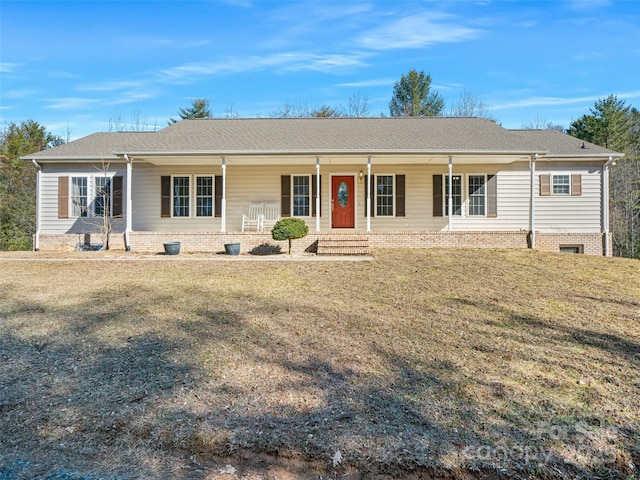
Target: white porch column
{"type": "Point", "coordinates": [532, 201]}
{"type": "Point", "coordinates": [36, 240]}
{"type": "Point", "coordinates": [605, 205]}
{"type": "Point", "coordinates": [450, 196]}
{"type": "Point", "coordinates": [128, 205]}
{"type": "Point", "coordinates": [368, 194]}
{"type": "Point", "coordinates": [223, 214]}
{"type": "Point", "coordinates": [317, 194]}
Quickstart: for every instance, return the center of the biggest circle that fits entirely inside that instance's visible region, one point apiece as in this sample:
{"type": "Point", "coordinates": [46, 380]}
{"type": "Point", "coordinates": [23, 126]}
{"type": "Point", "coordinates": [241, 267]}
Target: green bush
{"type": "Point", "coordinates": [289, 229]}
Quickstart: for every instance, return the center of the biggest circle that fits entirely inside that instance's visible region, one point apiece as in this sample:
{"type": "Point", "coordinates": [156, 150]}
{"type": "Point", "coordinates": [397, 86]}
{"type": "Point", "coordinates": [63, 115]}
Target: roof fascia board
{"type": "Point", "coordinates": [587, 156]}
{"type": "Point", "coordinates": [72, 159]}
{"type": "Point", "coordinates": [221, 153]}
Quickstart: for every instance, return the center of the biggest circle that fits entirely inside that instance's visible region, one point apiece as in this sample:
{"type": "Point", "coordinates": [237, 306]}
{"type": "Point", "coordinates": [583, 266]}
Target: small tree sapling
{"type": "Point", "coordinates": [289, 229]}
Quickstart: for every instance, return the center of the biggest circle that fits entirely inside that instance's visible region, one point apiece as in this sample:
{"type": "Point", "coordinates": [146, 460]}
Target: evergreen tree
{"type": "Point", "coordinates": [199, 109]}
{"type": "Point", "coordinates": [17, 182]}
{"type": "Point", "coordinates": [614, 125]}
{"type": "Point", "coordinates": [412, 97]}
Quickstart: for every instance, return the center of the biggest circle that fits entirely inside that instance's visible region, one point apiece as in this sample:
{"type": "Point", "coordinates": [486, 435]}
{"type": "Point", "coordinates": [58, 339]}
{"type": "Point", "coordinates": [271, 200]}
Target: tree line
{"type": "Point", "coordinates": [610, 123]}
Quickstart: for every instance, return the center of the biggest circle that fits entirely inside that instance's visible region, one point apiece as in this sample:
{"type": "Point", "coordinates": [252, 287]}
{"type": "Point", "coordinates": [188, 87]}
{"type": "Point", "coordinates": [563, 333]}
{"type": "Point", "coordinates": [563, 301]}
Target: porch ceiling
{"type": "Point", "coordinates": [329, 158]}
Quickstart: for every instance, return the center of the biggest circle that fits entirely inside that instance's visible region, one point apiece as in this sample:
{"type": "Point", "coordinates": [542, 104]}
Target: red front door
{"type": "Point", "coordinates": [343, 202]}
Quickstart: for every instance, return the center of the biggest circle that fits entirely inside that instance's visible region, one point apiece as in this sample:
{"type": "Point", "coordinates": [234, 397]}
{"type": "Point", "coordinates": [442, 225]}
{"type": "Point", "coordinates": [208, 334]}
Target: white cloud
{"type": "Point", "coordinates": [287, 61]}
{"type": "Point", "coordinates": [72, 103]}
{"type": "Point", "coordinates": [6, 67]}
{"type": "Point", "coordinates": [380, 82]}
{"type": "Point", "coordinates": [20, 94]}
{"type": "Point", "coordinates": [557, 101]}
{"type": "Point", "coordinates": [582, 5]}
{"type": "Point", "coordinates": [417, 31]}
{"type": "Point", "coordinates": [165, 42]}
{"type": "Point", "coordinates": [110, 86]}
{"type": "Point", "coordinates": [63, 74]}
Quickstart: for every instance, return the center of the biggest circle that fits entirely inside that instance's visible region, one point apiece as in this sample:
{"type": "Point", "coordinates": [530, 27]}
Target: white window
{"type": "Point", "coordinates": [477, 195]}
{"type": "Point", "coordinates": [301, 195]}
{"type": "Point", "coordinates": [103, 202]}
{"type": "Point", "coordinates": [561, 184]}
{"type": "Point", "coordinates": [456, 194]}
{"type": "Point", "coordinates": [181, 196]}
{"type": "Point", "coordinates": [204, 196]}
{"type": "Point", "coordinates": [384, 195]}
{"type": "Point", "coordinates": [79, 196]}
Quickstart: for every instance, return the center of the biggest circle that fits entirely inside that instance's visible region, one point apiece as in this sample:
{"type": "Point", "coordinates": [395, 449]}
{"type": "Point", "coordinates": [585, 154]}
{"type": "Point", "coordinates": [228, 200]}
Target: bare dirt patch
{"type": "Point", "coordinates": [419, 364]}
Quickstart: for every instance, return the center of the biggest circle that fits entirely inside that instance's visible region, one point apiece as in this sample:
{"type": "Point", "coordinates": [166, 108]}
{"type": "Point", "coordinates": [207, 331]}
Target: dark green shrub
{"type": "Point", "coordinates": [289, 229]}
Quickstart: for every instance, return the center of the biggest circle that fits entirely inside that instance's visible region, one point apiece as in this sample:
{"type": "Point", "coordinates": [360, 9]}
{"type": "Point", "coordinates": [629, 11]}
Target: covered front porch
{"type": "Point", "coordinates": [333, 194]}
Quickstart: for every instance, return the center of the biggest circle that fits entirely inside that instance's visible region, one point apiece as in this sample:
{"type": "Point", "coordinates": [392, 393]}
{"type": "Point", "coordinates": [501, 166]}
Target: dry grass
{"type": "Point", "coordinates": [438, 362]}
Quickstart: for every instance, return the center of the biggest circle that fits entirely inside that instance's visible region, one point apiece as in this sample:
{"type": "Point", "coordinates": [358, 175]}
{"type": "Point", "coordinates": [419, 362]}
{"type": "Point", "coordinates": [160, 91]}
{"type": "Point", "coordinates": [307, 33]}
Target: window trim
{"type": "Point", "coordinates": [95, 196]}
{"type": "Point", "coordinates": [167, 195]}
{"type": "Point", "coordinates": [445, 195]}
{"type": "Point", "coordinates": [310, 196]}
{"type": "Point", "coordinates": [552, 184]}
{"type": "Point", "coordinates": [190, 196]}
{"type": "Point", "coordinates": [393, 193]}
{"type": "Point", "coordinates": [196, 196]}
{"type": "Point", "coordinates": [92, 190]}
{"type": "Point", "coordinates": [72, 213]}
{"type": "Point", "coordinates": [468, 198]}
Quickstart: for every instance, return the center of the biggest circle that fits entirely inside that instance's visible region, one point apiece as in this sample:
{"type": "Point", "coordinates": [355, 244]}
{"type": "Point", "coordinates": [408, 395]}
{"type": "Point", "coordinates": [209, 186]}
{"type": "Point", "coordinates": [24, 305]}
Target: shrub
{"type": "Point", "coordinates": [289, 229]}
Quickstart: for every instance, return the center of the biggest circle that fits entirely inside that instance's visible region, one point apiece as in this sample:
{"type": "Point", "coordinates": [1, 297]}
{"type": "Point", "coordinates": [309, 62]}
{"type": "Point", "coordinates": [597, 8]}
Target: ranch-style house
{"type": "Point", "coordinates": [385, 182]}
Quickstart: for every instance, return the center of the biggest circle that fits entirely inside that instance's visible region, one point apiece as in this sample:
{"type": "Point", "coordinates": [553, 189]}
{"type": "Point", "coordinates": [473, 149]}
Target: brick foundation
{"type": "Point", "coordinates": [211, 242]}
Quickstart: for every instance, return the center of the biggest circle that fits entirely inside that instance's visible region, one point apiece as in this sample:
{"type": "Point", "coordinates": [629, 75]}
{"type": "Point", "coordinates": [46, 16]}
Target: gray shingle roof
{"type": "Point", "coordinates": [321, 135]}
{"type": "Point", "coordinates": [94, 146]}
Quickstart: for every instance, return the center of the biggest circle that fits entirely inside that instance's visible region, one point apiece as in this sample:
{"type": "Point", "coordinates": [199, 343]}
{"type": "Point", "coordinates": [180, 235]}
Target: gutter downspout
{"type": "Point", "coordinates": [317, 194]}
{"type": "Point", "coordinates": [223, 215]}
{"type": "Point", "coordinates": [369, 194]}
{"type": "Point", "coordinates": [450, 209]}
{"type": "Point", "coordinates": [532, 202]}
{"type": "Point", "coordinates": [129, 218]}
{"type": "Point", "coordinates": [36, 240]}
{"type": "Point", "coordinates": [605, 205]}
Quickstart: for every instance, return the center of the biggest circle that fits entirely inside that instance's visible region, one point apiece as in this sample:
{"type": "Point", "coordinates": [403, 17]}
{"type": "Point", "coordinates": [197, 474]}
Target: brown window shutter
{"type": "Point", "coordinates": [118, 195]}
{"type": "Point", "coordinates": [576, 185]}
{"type": "Point", "coordinates": [285, 196]}
{"type": "Point", "coordinates": [492, 196]}
{"type": "Point", "coordinates": [165, 192]}
{"type": "Point", "coordinates": [400, 198]}
{"type": "Point", "coordinates": [217, 192]}
{"type": "Point", "coordinates": [63, 197]}
{"type": "Point", "coordinates": [372, 185]}
{"type": "Point", "coordinates": [545, 185]}
{"type": "Point", "coordinates": [314, 193]}
{"type": "Point", "coordinates": [437, 195]}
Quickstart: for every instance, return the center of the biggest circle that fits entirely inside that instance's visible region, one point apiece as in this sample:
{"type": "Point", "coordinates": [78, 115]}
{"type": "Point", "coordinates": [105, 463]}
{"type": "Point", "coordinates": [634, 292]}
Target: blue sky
{"type": "Point", "coordinates": [77, 66]}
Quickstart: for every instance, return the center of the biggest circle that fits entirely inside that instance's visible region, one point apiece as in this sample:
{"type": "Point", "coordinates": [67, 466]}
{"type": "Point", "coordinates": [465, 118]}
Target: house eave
{"type": "Point", "coordinates": [73, 159]}
{"type": "Point", "coordinates": [320, 152]}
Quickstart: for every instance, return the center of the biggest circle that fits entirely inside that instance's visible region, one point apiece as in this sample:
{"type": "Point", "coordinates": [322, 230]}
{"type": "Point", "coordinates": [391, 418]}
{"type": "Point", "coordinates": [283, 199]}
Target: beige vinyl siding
{"type": "Point", "coordinates": [49, 221]}
{"type": "Point", "coordinates": [568, 213]}
{"type": "Point", "coordinates": [146, 200]}
{"type": "Point", "coordinates": [247, 184]}
{"type": "Point", "coordinates": [512, 198]}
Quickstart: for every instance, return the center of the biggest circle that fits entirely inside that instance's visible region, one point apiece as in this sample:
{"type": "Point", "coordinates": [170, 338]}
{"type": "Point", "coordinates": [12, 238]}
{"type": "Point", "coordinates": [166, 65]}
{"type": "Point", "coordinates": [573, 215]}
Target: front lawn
{"type": "Point", "coordinates": [472, 363]}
